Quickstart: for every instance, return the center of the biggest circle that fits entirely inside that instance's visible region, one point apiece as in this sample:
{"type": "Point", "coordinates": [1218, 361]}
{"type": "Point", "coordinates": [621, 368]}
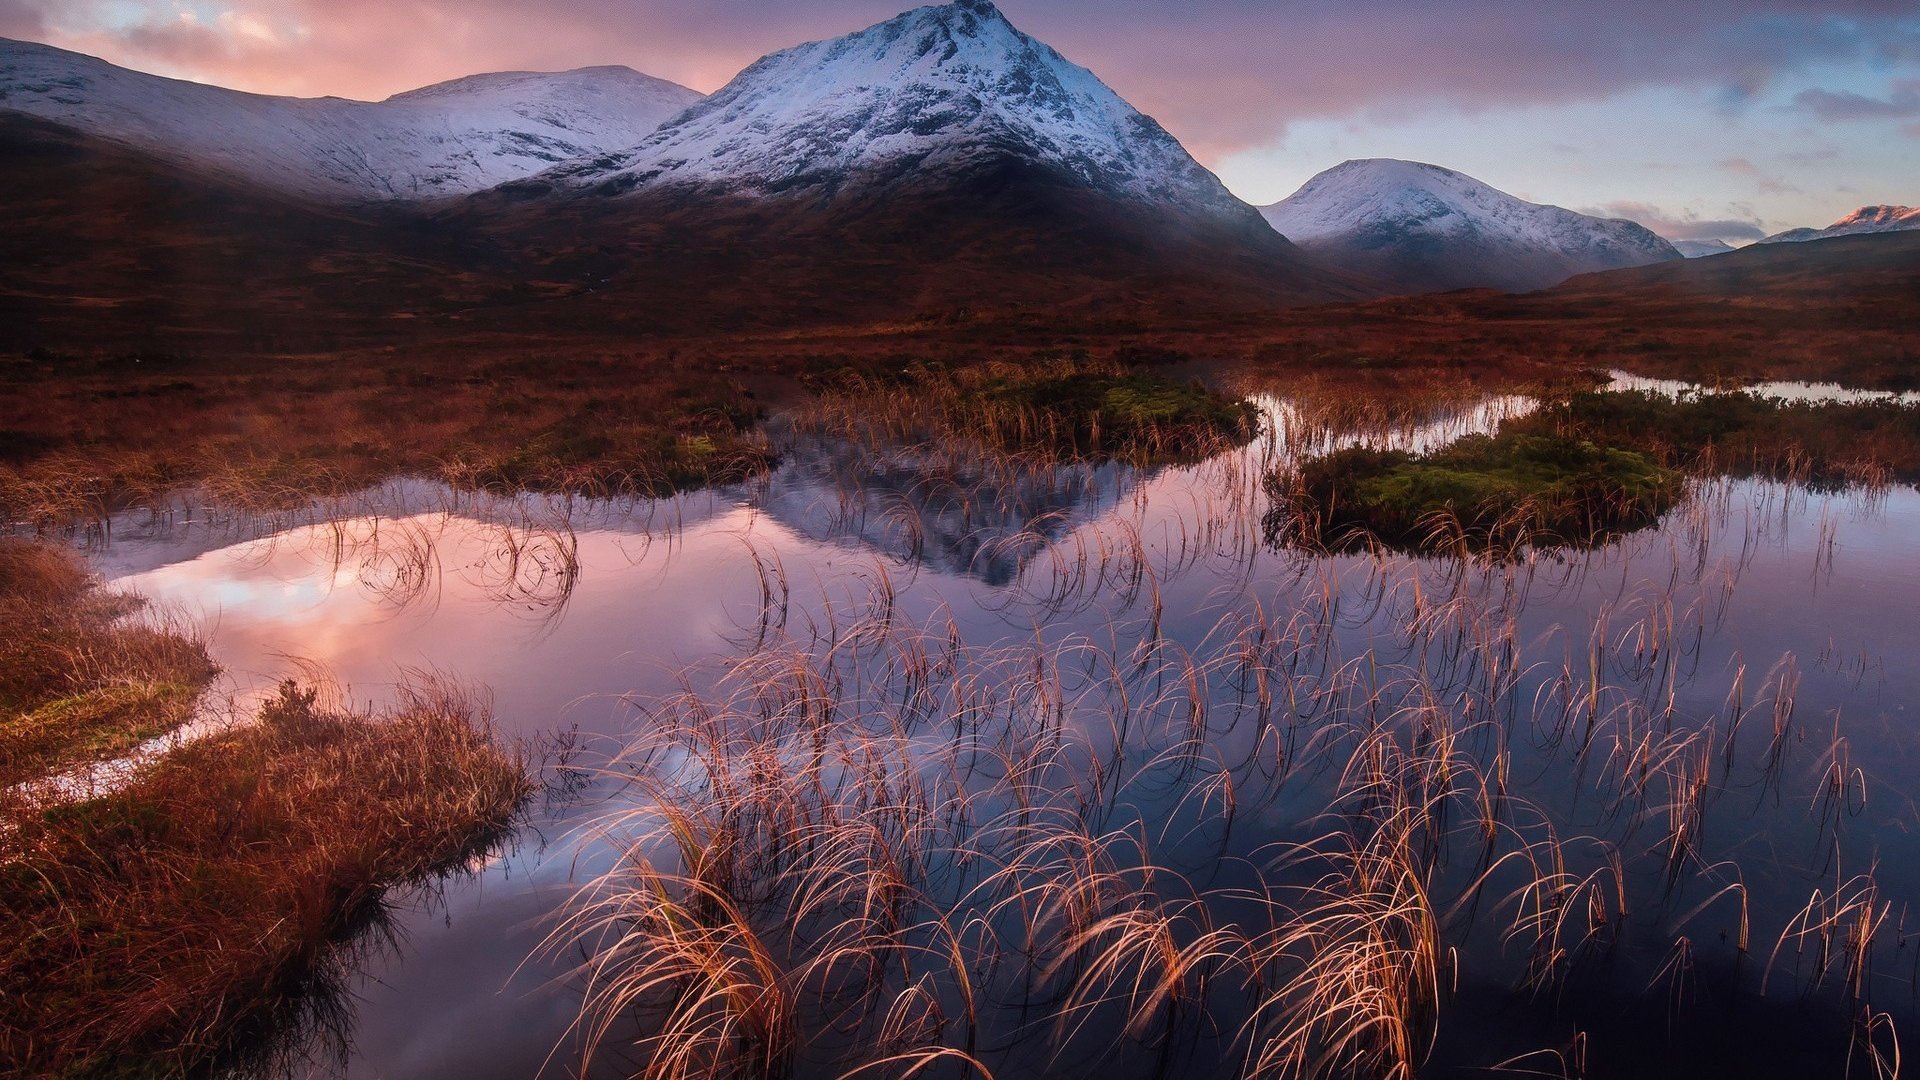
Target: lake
{"type": "Point", "coordinates": [1073, 768]}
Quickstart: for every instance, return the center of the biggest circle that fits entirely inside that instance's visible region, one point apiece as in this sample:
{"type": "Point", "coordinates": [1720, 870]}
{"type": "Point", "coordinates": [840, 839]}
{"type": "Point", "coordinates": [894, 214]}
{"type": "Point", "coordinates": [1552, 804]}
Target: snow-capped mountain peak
{"type": "Point", "coordinates": [446, 139]}
{"type": "Point", "coordinates": [935, 89]}
{"type": "Point", "coordinates": [1411, 196]}
{"type": "Point", "coordinates": [1432, 227]}
{"type": "Point", "coordinates": [1867, 219]}
{"type": "Point", "coordinates": [1881, 219]}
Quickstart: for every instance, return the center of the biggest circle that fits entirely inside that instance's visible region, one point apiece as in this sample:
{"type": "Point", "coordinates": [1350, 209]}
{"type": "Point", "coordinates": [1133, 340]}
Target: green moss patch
{"type": "Point", "coordinates": [1821, 443]}
{"type": "Point", "coordinates": [1481, 493]}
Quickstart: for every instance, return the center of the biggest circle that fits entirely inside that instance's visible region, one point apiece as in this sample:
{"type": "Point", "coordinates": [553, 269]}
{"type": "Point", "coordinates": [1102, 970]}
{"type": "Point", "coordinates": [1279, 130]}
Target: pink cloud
{"type": "Point", "coordinates": [21, 19]}
{"type": "Point", "coordinates": [1685, 225]}
{"type": "Point", "coordinates": [1222, 76]}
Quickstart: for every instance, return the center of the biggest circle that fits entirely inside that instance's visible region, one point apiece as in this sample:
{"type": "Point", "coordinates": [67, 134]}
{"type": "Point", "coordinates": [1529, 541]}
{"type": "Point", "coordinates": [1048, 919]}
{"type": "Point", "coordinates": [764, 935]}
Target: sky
{"type": "Point", "coordinates": [1723, 119]}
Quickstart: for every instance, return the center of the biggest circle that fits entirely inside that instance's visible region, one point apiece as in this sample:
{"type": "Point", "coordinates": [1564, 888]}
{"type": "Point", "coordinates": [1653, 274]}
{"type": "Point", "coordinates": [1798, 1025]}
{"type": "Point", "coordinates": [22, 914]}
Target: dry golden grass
{"type": "Point", "coordinates": [150, 929]}
{"type": "Point", "coordinates": [154, 929]}
{"type": "Point", "coordinates": [1048, 407]}
{"type": "Point", "coordinates": [80, 678]}
{"type": "Point", "coordinates": [83, 436]}
{"type": "Point", "coordinates": [884, 849]}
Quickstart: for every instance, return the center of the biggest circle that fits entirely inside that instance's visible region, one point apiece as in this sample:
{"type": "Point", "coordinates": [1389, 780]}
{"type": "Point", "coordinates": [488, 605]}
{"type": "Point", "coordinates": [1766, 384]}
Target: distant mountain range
{"type": "Point", "coordinates": [449, 139]}
{"type": "Point", "coordinates": [941, 160]}
{"type": "Point", "coordinates": [936, 166]}
{"type": "Point", "coordinates": [1422, 228]}
{"type": "Point", "coordinates": [1867, 219]}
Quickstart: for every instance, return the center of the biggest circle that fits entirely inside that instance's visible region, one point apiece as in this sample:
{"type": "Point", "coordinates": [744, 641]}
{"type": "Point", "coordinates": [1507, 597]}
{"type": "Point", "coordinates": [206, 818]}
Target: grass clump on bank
{"type": "Point", "coordinates": [160, 926]}
{"type": "Point", "coordinates": [1095, 414]}
{"type": "Point", "coordinates": [1482, 493]}
{"type": "Point", "coordinates": [1053, 408]}
{"type": "Point", "coordinates": [80, 679]}
{"type": "Point", "coordinates": [1743, 434]}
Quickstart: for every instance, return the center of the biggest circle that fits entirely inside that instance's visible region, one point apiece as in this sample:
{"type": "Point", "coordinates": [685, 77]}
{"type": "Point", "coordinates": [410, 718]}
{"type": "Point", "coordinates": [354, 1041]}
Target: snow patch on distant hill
{"type": "Point", "coordinates": [1443, 229]}
{"type": "Point", "coordinates": [1389, 198]}
{"type": "Point", "coordinates": [1867, 219]}
{"type": "Point", "coordinates": [452, 138]}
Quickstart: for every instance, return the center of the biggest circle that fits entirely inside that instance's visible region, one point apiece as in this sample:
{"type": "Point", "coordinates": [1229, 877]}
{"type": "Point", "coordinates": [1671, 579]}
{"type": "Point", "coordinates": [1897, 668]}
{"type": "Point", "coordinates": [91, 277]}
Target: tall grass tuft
{"type": "Point", "coordinates": [163, 925]}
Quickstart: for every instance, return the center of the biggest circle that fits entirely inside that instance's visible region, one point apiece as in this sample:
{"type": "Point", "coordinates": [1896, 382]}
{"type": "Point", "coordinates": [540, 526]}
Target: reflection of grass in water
{"type": "Point", "coordinates": [855, 862]}
{"type": "Point", "coordinates": [174, 919]}
{"type": "Point", "coordinates": [868, 851]}
{"type": "Point", "coordinates": [1480, 493]}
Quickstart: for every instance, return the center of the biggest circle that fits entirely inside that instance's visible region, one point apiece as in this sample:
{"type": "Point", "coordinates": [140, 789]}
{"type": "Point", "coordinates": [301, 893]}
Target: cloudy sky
{"type": "Point", "coordinates": [1728, 118]}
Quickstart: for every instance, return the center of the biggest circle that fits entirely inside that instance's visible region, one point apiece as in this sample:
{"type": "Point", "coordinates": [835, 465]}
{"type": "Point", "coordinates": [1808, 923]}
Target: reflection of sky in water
{"type": "Point", "coordinates": [571, 625]}
{"type": "Point", "coordinates": [279, 599]}
{"type": "Point", "coordinates": [1811, 393]}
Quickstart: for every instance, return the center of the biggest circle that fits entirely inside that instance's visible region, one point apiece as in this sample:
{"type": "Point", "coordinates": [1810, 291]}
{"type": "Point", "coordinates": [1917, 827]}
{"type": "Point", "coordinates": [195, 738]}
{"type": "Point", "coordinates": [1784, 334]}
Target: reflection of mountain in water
{"type": "Point", "coordinates": [954, 510]}
{"type": "Point", "coordinates": [369, 524]}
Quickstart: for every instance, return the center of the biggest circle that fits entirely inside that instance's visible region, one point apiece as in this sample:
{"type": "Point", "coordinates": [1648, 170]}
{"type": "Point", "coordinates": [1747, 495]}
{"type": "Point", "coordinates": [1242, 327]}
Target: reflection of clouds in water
{"type": "Point", "coordinates": [662, 586]}
{"type": "Point", "coordinates": [144, 539]}
{"type": "Point", "coordinates": [518, 592]}
{"type": "Point", "coordinates": [1786, 392]}
{"type": "Point", "coordinates": [644, 605]}
{"type": "Point", "coordinates": [1297, 431]}
{"type": "Point", "coordinates": [274, 597]}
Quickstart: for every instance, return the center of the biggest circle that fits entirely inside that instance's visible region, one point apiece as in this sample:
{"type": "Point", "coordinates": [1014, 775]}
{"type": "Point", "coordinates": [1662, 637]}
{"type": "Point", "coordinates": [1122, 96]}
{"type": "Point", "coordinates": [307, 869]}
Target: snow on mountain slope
{"type": "Point", "coordinates": [1867, 219]}
{"type": "Point", "coordinates": [1700, 249]}
{"type": "Point", "coordinates": [936, 90]}
{"type": "Point", "coordinates": [447, 139]}
{"type": "Point", "coordinates": [1424, 227]}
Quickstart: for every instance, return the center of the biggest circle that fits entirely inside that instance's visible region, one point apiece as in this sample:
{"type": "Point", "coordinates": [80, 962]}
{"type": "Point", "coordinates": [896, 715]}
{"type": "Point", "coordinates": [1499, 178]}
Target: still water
{"type": "Point", "coordinates": [1711, 717]}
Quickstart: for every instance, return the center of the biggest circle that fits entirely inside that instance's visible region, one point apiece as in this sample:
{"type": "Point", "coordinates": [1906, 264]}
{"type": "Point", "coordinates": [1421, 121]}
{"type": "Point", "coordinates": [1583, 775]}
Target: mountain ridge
{"type": "Point", "coordinates": [928, 87]}
{"type": "Point", "coordinates": [936, 87]}
{"type": "Point", "coordinates": [936, 162]}
{"type": "Point", "coordinates": [1864, 221]}
{"type": "Point", "coordinates": [1426, 228]}
{"type": "Point", "coordinates": [449, 138]}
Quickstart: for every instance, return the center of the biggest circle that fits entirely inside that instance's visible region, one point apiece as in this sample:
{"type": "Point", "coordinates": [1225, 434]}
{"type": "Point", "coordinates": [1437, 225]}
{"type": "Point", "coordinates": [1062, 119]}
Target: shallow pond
{"type": "Point", "coordinates": [1066, 702]}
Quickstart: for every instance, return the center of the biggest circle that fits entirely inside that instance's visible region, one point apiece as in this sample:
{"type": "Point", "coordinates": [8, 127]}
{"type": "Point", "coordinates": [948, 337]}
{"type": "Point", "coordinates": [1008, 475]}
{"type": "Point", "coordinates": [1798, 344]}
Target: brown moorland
{"type": "Point", "coordinates": [163, 924]}
{"type": "Point", "coordinates": [160, 328]}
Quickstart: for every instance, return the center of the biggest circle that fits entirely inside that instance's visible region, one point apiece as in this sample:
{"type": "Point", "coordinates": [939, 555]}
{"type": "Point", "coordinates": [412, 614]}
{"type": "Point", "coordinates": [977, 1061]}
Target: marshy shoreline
{"type": "Point", "coordinates": [834, 808]}
{"type": "Point", "coordinates": [183, 915]}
